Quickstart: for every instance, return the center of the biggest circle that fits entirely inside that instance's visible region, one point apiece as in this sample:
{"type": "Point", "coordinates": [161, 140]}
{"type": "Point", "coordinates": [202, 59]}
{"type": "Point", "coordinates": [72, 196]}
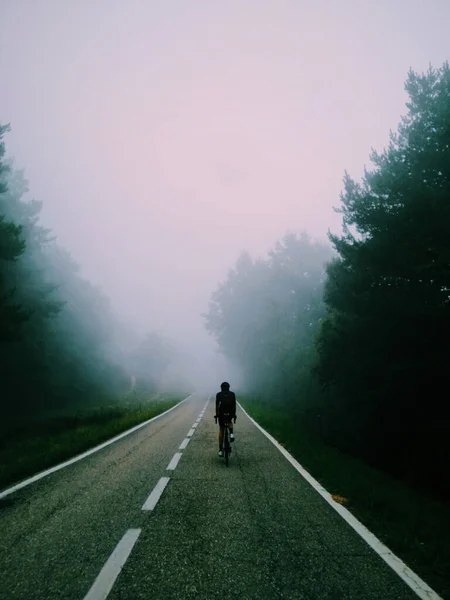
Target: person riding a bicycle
{"type": "Point", "coordinates": [225, 412]}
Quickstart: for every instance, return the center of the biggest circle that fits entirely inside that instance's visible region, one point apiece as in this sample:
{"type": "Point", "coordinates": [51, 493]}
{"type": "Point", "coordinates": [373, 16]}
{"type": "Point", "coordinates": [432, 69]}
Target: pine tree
{"type": "Point", "coordinates": [12, 247]}
{"type": "Point", "coordinates": [384, 343]}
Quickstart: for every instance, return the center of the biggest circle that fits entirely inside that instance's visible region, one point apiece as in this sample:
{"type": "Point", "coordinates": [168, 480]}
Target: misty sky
{"type": "Point", "coordinates": [164, 137]}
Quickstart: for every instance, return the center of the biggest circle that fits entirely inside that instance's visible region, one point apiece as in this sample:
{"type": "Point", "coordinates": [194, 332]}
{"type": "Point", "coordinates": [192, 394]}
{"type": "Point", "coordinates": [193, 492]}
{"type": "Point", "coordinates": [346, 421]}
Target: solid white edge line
{"type": "Point", "coordinates": [111, 569]}
{"type": "Point", "coordinates": [175, 460]}
{"type": "Point", "coordinates": [75, 459]}
{"type": "Point", "coordinates": [411, 579]}
{"type": "Point", "coordinates": [190, 433]}
{"type": "Point", "coordinates": [155, 494]}
{"type": "Point", "coordinates": [184, 443]}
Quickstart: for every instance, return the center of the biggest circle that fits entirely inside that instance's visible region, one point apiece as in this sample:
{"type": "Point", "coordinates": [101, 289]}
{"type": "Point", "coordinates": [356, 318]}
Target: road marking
{"type": "Point", "coordinates": [184, 443]}
{"type": "Point", "coordinates": [190, 432]}
{"type": "Point", "coordinates": [155, 495]}
{"type": "Point", "coordinates": [411, 579]}
{"type": "Point", "coordinates": [198, 420]}
{"type": "Point", "coordinates": [194, 426]}
{"type": "Point", "coordinates": [175, 460]}
{"type": "Point", "coordinates": [108, 575]}
{"type": "Point", "coordinates": [75, 459]}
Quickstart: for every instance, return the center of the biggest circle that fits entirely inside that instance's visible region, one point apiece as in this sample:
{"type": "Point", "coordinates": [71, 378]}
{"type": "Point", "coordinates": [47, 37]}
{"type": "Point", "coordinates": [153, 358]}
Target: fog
{"type": "Point", "coordinates": [164, 138]}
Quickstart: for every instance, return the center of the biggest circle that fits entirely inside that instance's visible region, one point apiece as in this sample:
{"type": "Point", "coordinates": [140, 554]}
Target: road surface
{"type": "Point", "coordinates": [254, 530]}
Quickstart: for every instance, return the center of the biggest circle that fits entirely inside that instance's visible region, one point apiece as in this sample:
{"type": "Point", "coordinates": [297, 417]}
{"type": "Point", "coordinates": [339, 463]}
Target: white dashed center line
{"type": "Point", "coordinates": [152, 500]}
{"type": "Point", "coordinates": [175, 460]}
{"type": "Point", "coordinates": [111, 569]}
{"type": "Point", "coordinates": [108, 575]}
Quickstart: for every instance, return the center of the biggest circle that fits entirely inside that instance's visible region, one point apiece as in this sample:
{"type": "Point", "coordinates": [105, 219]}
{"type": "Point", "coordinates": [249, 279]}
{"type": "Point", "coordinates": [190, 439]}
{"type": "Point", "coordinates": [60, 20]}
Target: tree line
{"type": "Point", "coordinates": [61, 344]}
{"type": "Point", "coordinates": [353, 339]}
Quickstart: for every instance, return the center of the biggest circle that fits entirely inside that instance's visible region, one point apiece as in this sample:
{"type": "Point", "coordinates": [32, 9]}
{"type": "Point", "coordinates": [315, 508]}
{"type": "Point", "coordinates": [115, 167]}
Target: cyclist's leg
{"type": "Point", "coordinates": [221, 426]}
{"type": "Point", "coordinates": [230, 436]}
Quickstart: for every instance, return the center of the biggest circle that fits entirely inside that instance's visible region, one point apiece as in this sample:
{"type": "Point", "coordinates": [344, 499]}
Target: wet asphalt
{"type": "Point", "coordinates": [256, 529]}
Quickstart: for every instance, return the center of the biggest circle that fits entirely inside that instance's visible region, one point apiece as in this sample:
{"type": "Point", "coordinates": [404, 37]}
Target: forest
{"type": "Point", "coordinates": [351, 339]}
{"type": "Point", "coordinates": [61, 344]}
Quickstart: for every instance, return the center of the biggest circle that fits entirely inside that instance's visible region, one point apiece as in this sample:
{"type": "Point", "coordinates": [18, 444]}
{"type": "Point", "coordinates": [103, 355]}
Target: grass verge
{"type": "Point", "coordinates": [412, 524]}
{"type": "Point", "coordinates": [41, 445]}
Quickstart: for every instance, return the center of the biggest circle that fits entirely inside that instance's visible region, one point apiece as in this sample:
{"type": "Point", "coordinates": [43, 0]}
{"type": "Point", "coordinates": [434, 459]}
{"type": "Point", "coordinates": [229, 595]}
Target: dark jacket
{"type": "Point", "coordinates": [226, 403]}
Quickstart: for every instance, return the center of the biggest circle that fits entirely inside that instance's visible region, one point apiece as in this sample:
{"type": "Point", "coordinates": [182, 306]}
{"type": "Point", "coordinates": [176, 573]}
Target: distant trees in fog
{"type": "Point", "coordinates": [60, 342]}
{"type": "Point", "coordinates": [366, 347]}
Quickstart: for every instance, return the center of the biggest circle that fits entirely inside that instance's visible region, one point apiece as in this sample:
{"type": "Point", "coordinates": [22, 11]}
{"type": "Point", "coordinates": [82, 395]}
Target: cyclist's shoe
{"type": "Point", "coordinates": [220, 452]}
{"type": "Point", "coordinates": [231, 437]}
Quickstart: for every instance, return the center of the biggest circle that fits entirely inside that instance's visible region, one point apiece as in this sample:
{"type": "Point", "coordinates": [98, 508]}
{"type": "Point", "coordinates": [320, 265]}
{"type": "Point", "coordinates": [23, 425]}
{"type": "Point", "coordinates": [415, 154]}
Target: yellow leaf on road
{"type": "Point", "coordinates": [339, 499]}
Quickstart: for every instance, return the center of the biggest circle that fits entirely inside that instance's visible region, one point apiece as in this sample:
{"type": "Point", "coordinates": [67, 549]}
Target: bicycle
{"type": "Point", "coordinates": [226, 444]}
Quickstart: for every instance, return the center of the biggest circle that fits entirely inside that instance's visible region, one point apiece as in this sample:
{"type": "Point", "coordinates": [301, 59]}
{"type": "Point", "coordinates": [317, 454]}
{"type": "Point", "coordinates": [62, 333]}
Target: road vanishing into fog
{"type": "Point", "coordinates": [193, 530]}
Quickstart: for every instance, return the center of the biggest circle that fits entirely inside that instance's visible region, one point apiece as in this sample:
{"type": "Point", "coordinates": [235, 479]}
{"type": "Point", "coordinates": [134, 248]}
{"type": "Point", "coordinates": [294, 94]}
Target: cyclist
{"type": "Point", "coordinates": [225, 411]}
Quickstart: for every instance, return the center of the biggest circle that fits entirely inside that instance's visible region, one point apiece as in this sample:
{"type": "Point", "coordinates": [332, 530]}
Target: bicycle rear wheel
{"type": "Point", "coordinates": [227, 444]}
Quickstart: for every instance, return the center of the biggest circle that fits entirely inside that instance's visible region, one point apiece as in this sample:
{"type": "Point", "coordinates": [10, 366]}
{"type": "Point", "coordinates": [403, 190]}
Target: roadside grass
{"type": "Point", "coordinates": [39, 445]}
{"type": "Point", "coordinates": [414, 525]}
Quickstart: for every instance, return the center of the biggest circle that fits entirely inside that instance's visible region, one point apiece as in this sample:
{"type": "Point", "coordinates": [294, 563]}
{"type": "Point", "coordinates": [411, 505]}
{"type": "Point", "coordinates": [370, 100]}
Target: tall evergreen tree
{"type": "Point", "coordinates": [384, 343]}
{"type": "Point", "coordinates": [12, 246]}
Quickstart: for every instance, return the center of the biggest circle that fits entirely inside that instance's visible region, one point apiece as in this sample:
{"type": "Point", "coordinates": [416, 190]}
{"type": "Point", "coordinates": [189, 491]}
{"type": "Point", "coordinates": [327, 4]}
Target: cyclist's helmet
{"type": "Point", "coordinates": [224, 386]}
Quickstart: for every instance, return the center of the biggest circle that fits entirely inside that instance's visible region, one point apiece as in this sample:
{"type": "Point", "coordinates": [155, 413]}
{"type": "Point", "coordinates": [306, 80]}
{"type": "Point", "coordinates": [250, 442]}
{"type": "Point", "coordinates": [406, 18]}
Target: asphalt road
{"type": "Point", "coordinates": [254, 530]}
